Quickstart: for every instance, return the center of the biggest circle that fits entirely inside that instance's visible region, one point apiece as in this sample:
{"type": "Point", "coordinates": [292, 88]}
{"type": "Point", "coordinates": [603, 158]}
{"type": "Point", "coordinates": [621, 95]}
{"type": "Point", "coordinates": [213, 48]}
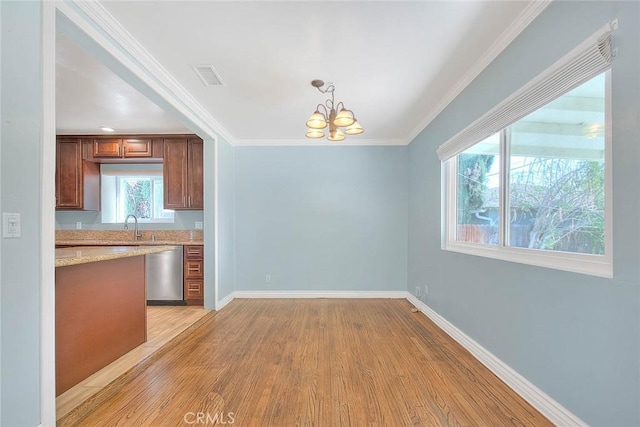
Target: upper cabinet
{"type": "Point", "coordinates": [183, 173]}
{"type": "Point", "coordinates": [111, 150]}
{"type": "Point", "coordinates": [78, 170]}
{"type": "Point", "coordinates": [77, 180]}
{"type": "Point", "coordinates": [195, 175]}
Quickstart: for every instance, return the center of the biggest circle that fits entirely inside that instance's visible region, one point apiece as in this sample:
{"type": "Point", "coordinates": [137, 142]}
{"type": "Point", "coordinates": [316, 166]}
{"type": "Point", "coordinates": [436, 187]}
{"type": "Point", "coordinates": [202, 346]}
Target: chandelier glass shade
{"type": "Point", "coordinates": [334, 115]}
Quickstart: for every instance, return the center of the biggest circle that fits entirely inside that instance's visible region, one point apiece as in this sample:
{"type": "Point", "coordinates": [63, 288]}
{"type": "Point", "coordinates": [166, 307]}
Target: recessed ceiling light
{"type": "Point", "coordinates": [107, 129]}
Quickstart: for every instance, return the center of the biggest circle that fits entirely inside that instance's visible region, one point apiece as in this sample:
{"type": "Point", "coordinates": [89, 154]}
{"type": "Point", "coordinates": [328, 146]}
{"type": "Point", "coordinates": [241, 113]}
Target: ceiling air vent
{"type": "Point", "coordinates": [208, 75]}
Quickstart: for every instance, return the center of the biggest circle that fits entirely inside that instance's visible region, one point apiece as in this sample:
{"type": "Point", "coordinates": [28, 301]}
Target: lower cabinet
{"type": "Point", "coordinates": [194, 274]}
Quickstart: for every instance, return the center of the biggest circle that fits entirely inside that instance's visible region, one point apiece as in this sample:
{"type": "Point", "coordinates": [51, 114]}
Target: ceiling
{"type": "Point", "coordinates": [394, 63]}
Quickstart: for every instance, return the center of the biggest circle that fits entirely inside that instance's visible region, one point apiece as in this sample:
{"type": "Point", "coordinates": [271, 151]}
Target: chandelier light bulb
{"type": "Point", "coordinates": [336, 135]}
{"type": "Point", "coordinates": [344, 118]}
{"type": "Point", "coordinates": [317, 121]}
{"type": "Point", "coordinates": [314, 133]}
{"type": "Point", "coordinates": [354, 129]}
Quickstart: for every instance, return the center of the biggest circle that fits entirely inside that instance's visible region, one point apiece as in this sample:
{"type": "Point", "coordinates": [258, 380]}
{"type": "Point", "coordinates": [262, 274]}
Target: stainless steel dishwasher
{"type": "Point", "coordinates": [164, 277]}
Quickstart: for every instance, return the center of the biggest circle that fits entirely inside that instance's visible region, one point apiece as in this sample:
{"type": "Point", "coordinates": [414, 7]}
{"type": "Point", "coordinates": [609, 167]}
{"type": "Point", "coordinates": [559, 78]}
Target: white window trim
{"type": "Point", "coordinates": [119, 202]}
{"type": "Point", "coordinates": [595, 265]}
{"type": "Point", "coordinates": [118, 173]}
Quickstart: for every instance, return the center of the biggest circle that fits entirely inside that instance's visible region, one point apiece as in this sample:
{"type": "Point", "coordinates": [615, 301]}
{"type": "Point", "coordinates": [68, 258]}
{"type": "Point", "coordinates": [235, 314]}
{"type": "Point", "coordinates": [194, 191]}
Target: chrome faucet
{"type": "Point", "coordinates": [136, 234]}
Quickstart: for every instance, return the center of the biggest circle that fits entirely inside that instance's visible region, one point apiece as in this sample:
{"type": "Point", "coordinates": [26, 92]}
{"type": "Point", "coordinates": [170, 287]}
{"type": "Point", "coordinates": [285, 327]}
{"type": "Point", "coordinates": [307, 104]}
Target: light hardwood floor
{"type": "Point", "coordinates": [315, 362]}
{"type": "Point", "coordinates": [163, 324]}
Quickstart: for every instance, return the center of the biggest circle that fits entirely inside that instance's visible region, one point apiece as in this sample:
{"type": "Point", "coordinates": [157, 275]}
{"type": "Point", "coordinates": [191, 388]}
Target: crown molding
{"type": "Point", "coordinates": [317, 142]}
{"type": "Point", "coordinates": [509, 35]}
{"type": "Point", "coordinates": [146, 67]}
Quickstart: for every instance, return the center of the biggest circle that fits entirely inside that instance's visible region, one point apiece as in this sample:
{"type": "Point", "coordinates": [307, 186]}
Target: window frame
{"type": "Point", "coordinates": [595, 265]}
{"type": "Point", "coordinates": [153, 179]}
{"type": "Point", "coordinates": [111, 217]}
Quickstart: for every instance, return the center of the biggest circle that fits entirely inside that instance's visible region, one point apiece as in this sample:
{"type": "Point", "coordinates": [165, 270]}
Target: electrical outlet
{"type": "Point", "coordinates": [78, 225]}
{"type": "Point", "coordinates": [198, 225]}
{"type": "Point", "coordinates": [418, 291]}
{"type": "Point", "coordinates": [426, 290]}
{"type": "Point", "coordinates": [267, 278]}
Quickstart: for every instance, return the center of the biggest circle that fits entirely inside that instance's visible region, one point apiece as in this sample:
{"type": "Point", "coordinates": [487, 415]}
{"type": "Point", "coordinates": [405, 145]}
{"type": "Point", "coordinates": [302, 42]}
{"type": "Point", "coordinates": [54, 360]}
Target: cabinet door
{"type": "Point", "coordinates": [193, 269]}
{"type": "Point", "coordinates": [194, 292]}
{"type": "Point", "coordinates": [137, 148]}
{"type": "Point", "coordinates": [69, 174]}
{"type": "Point", "coordinates": [195, 193]}
{"type": "Point", "coordinates": [107, 148]}
{"type": "Point", "coordinates": [194, 252]}
{"type": "Point", "coordinates": [175, 173]}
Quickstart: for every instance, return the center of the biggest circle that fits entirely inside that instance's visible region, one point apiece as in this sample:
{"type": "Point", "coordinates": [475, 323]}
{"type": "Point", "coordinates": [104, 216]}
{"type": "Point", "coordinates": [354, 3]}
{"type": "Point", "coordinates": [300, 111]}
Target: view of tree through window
{"type": "Point", "coordinates": [557, 204]}
{"type": "Point", "coordinates": [137, 200]}
{"type": "Point", "coordinates": [142, 196]}
{"type": "Point", "coordinates": [133, 189]}
{"type": "Point", "coordinates": [477, 214]}
{"type": "Point", "coordinates": [555, 199]}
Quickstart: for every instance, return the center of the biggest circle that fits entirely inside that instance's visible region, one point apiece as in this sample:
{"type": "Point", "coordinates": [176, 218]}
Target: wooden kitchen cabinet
{"type": "Point", "coordinates": [194, 274]}
{"type": "Point", "coordinates": [77, 180]}
{"type": "Point", "coordinates": [183, 173]}
{"type": "Point", "coordinates": [127, 147]}
{"type": "Point", "coordinates": [136, 148]}
{"type": "Point", "coordinates": [107, 148]}
{"type": "Point", "coordinates": [195, 175]}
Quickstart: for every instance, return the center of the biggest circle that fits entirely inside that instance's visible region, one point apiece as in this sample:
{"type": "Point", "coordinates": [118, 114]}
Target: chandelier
{"type": "Point", "coordinates": [335, 115]}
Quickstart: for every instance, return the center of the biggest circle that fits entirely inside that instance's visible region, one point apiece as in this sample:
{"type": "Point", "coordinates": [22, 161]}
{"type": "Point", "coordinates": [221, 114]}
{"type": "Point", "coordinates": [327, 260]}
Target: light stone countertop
{"type": "Point", "coordinates": [85, 254]}
{"type": "Point", "coordinates": [98, 242]}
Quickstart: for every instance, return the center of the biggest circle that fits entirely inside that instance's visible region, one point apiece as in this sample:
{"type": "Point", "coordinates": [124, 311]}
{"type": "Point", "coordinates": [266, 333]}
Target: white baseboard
{"type": "Point", "coordinates": [224, 301]}
{"type": "Point", "coordinates": [320, 294]}
{"type": "Point", "coordinates": [554, 411]}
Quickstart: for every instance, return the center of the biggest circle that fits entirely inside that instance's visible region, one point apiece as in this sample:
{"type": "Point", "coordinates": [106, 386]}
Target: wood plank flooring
{"type": "Point", "coordinates": [316, 362]}
{"type": "Point", "coordinates": [163, 324]}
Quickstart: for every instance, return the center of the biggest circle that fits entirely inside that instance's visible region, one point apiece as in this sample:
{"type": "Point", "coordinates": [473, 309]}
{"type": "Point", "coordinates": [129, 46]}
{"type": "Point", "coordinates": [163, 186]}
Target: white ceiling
{"type": "Point", "coordinates": [393, 63]}
{"type": "Point", "coordinates": [89, 95]}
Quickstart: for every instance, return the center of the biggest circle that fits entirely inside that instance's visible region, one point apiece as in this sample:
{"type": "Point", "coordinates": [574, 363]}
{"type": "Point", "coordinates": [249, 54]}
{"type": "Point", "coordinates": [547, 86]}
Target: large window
{"type": "Point", "coordinates": [530, 180]}
{"type": "Point", "coordinates": [133, 190]}
{"type": "Point", "coordinates": [536, 191]}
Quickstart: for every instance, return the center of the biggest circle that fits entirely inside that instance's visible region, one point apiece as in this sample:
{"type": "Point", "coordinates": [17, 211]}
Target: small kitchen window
{"type": "Point", "coordinates": [134, 189]}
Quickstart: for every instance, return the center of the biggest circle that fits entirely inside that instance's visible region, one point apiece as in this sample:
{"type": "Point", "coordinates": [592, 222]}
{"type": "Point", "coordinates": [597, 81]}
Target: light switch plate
{"type": "Point", "coordinates": [11, 225]}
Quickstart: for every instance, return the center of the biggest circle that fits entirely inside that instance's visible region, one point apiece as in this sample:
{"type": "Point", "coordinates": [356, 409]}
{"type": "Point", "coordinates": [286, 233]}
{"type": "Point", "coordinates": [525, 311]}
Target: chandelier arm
{"type": "Point", "coordinates": [330, 88]}
{"type": "Point", "coordinates": [340, 106]}
{"type": "Point", "coordinates": [325, 112]}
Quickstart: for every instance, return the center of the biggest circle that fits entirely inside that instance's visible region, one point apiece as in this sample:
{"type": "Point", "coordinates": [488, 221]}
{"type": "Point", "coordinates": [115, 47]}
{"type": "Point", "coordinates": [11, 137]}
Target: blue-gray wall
{"type": "Point", "coordinates": [21, 106]}
{"type": "Point", "coordinates": [226, 219]}
{"type": "Point", "coordinates": [574, 336]}
{"type": "Point", "coordinates": [321, 218]}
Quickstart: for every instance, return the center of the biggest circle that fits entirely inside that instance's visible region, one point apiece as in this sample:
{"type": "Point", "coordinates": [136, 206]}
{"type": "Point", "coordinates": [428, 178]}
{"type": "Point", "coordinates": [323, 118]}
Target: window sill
{"type": "Point", "coordinates": [593, 265]}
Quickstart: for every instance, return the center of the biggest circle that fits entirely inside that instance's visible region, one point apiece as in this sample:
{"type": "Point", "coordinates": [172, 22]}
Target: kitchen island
{"type": "Point", "coordinates": [100, 308]}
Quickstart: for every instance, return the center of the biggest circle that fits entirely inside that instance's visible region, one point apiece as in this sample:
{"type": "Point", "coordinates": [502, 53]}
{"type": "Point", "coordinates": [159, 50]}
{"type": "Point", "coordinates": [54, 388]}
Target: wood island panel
{"type": "Point", "coordinates": [100, 316]}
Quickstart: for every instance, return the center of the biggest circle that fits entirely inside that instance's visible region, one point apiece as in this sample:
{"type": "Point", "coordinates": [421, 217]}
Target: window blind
{"type": "Point", "coordinates": [590, 58]}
